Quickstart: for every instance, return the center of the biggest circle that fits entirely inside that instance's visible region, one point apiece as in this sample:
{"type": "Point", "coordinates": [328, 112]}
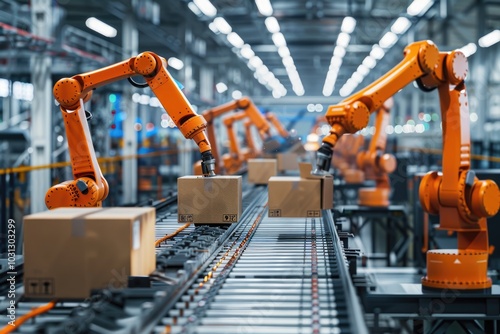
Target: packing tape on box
{"type": "Point", "coordinates": [209, 184]}
{"type": "Point", "coordinates": [78, 223]}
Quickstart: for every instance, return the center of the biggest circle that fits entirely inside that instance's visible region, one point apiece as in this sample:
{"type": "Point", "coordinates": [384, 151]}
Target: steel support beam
{"type": "Point", "coordinates": [481, 77]}
{"type": "Point", "coordinates": [129, 175]}
{"type": "Point", "coordinates": [41, 113]}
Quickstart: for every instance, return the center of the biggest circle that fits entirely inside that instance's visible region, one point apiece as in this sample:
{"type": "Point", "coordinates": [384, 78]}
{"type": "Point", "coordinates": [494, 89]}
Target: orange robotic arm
{"type": "Point", "coordinates": [89, 188]}
{"type": "Point", "coordinates": [462, 201]}
{"type": "Point", "coordinates": [348, 151]}
{"type": "Point", "coordinates": [273, 119]}
{"type": "Point", "coordinates": [375, 163]}
{"type": "Point", "coordinates": [251, 111]}
{"type": "Point", "coordinates": [233, 160]}
{"type": "Point", "coordinates": [252, 149]}
{"type": "Point", "coordinates": [353, 113]}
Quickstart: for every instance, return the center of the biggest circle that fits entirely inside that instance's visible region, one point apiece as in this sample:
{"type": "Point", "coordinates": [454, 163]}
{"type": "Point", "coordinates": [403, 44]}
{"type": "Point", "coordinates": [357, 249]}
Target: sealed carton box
{"type": "Point", "coordinates": [304, 196]}
{"type": "Point", "coordinates": [70, 251]}
{"type": "Point", "coordinates": [209, 200]}
{"type": "Point", "coordinates": [288, 161]}
{"type": "Point", "coordinates": [260, 170]}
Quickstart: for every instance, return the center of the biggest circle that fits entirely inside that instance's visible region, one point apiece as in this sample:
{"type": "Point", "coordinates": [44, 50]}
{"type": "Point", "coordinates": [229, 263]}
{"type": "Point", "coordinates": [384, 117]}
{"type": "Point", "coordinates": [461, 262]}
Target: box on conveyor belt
{"type": "Point", "coordinates": [304, 196]}
{"type": "Point", "coordinates": [260, 170]}
{"type": "Point", "coordinates": [70, 251]}
{"type": "Point", "coordinates": [209, 200]}
{"type": "Point", "coordinates": [287, 161]}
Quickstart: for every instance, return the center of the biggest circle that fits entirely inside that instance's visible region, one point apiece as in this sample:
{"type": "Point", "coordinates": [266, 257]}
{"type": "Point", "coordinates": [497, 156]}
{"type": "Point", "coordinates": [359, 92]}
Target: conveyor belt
{"type": "Point", "coordinates": [276, 278]}
{"type": "Point", "coordinates": [261, 275]}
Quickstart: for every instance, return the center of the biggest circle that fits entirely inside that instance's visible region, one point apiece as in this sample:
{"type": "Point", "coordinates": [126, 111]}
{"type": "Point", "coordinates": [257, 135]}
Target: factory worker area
{"type": "Point", "coordinates": [249, 166]}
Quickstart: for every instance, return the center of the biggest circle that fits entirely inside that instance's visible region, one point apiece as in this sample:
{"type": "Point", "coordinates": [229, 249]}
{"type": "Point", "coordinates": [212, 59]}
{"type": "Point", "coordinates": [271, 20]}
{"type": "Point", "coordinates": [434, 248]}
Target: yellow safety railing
{"type": "Point", "coordinates": [101, 160]}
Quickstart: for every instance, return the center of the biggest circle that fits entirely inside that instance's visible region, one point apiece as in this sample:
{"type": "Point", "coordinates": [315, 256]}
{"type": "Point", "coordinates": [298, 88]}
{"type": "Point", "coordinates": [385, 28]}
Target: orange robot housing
{"type": "Point", "coordinates": [461, 200]}
{"type": "Point", "coordinates": [376, 164]}
{"type": "Point", "coordinates": [249, 110]}
{"type": "Point", "coordinates": [89, 187]}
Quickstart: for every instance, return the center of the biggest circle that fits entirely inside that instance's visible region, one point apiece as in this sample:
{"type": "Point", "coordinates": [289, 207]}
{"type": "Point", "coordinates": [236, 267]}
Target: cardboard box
{"type": "Point", "coordinates": [260, 170]}
{"type": "Point", "coordinates": [70, 251]}
{"type": "Point", "coordinates": [209, 200]}
{"type": "Point", "coordinates": [288, 161]}
{"type": "Point", "coordinates": [304, 196]}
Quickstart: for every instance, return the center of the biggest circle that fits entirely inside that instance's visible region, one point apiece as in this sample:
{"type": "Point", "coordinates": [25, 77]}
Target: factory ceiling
{"type": "Point", "coordinates": [316, 40]}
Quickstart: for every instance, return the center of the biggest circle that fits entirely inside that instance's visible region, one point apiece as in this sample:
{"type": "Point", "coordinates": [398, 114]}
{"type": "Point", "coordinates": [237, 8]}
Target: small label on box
{"type": "Point", "coordinates": [313, 213]}
{"type": "Point", "coordinates": [275, 213]}
{"type": "Point", "coordinates": [229, 218]}
{"type": "Point", "coordinates": [187, 218]}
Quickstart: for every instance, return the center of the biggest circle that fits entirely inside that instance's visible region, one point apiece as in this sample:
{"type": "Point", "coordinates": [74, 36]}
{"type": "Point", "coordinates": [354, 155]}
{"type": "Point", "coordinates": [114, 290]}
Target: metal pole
{"type": "Point", "coordinates": [41, 114]}
{"type": "Point", "coordinates": [129, 175]}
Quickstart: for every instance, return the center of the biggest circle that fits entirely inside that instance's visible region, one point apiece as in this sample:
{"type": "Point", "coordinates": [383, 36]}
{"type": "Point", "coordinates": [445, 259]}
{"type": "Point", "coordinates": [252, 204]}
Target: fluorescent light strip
{"type": "Point", "coordinates": [175, 63]}
{"type": "Point", "coordinates": [401, 25]}
{"type": "Point", "coordinates": [469, 49]}
{"type": "Point", "coordinates": [222, 25]}
{"type": "Point", "coordinates": [206, 7]}
{"type": "Point", "coordinates": [261, 71]}
{"type": "Point", "coordinates": [348, 25]}
{"type": "Point", "coordinates": [246, 51]}
{"type": "Point", "coordinates": [100, 27]}
{"type": "Point", "coordinates": [264, 7]}
{"type": "Point", "coordinates": [279, 39]}
{"type": "Point", "coordinates": [272, 25]}
{"type": "Point", "coordinates": [343, 39]}
{"type": "Point", "coordinates": [489, 39]}
{"type": "Point", "coordinates": [194, 9]}
{"type": "Point", "coordinates": [235, 40]}
{"type": "Point", "coordinates": [283, 51]}
{"type": "Point", "coordinates": [388, 40]}
{"type": "Point", "coordinates": [419, 7]}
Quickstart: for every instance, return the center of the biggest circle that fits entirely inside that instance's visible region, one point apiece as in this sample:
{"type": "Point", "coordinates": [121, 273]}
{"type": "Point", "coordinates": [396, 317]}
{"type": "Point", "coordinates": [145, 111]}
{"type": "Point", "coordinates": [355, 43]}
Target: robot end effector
{"type": "Point", "coordinates": [344, 118]}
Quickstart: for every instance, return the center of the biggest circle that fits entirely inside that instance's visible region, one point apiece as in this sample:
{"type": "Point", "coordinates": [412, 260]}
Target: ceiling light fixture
{"type": "Point", "coordinates": [206, 7]}
{"type": "Point", "coordinates": [339, 52]}
{"type": "Point", "coordinates": [469, 49]}
{"type": "Point", "coordinates": [489, 39]}
{"type": "Point", "coordinates": [279, 39]}
{"type": "Point", "coordinates": [175, 63]}
{"type": "Point", "coordinates": [283, 51]}
{"type": "Point", "coordinates": [287, 61]}
{"type": "Point", "coordinates": [235, 40]}
{"type": "Point", "coordinates": [369, 62]}
{"type": "Point", "coordinates": [401, 25]}
{"type": "Point", "coordinates": [343, 39]}
{"type": "Point", "coordinates": [100, 27]}
{"type": "Point", "coordinates": [194, 9]}
{"type": "Point", "coordinates": [272, 25]}
{"type": "Point", "coordinates": [388, 40]}
{"type": "Point", "coordinates": [419, 7]}
{"type": "Point", "coordinates": [377, 52]}
{"type": "Point", "coordinates": [255, 61]}
{"type": "Point", "coordinates": [213, 27]}
{"type": "Point", "coordinates": [222, 25]}
{"type": "Point", "coordinates": [246, 51]}
{"type": "Point", "coordinates": [221, 87]}
{"type": "Point", "coordinates": [363, 70]}
{"type": "Point", "coordinates": [264, 7]}
{"type": "Point", "coordinates": [348, 24]}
